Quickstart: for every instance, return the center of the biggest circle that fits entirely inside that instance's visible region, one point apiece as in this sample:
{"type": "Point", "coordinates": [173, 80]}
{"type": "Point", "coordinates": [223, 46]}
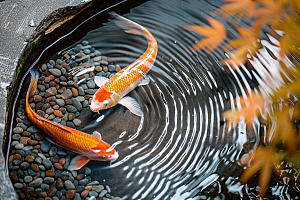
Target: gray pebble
{"type": "Point", "coordinates": [45, 106]}
{"type": "Point", "coordinates": [87, 51]}
{"type": "Point", "coordinates": [111, 68]}
{"type": "Point", "coordinates": [62, 153]}
{"type": "Point", "coordinates": [69, 185]}
{"type": "Point", "coordinates": [85, 42]}
{"type": "Point", "coordinates": [108, 189]}
{"type": "Point", "coordinates": [63, 71]}
{"type": "Point", "coordinates": [16, 136]}
{"type": "Point", "coordinates": [51, 62]}
{"type": "Point", "coordinates": [24, 127]}
{"type": "Point", "coordinates": [27, 179]}
{"type": "Point", "coordinates": [77, 104]}
{"type": "Point", "coordinates": [77, 197]}
{"type": "Point", "coordinates": [45, 147]}
{"type": "Point", "coordinates": [53, 98]}
{"type": "Point", "coordinates": [52, 116]}
{"type": "Point", "coordinates": [59, 194]}
{"type": "Point", "coordinates": [97, 188]}
{"type": "Point", "coordinates": [86, 47]}
{"type": "Point", "coordinates": [52, 91]}
{"type": "Point", "coordinates": [41, 113]}
{"type": "Point", "coordinates": [43, 174]}
{"type": "Point", "coordinates": [64, 83]}
{"type": "Point", "coordinates": [18, 185]}
{"type": "Point", "coordinates": [17, 162]}
{"type": "Point", "coordinates": [19, 146]}
{"type": "Point", "coordinates": [60, 102]}
{"type": "Point", "coordinates": [83, 181]}
{"type": "Point", "coordinates": [27, 148]}
{"type": "Point", "coordinates": [75, 79]}
{"type": "Point", "coordinates": [42, 156]}
{"type": "Point", "coordinates": [33, 129]}
{"type": "Point", "coordinates": [97, 53]}
{"type": "Point", "coordinates": [57, 119]}
{"type": "Point", "coordinates": [87, 171]}
{"type": "Point", "coordinates": [103, 62]}
{"type": "Point", "coordinates": [80, 99]}
{"type": "Point", "coordinates": [84, 86]}
{"type": "Point", "coordinates": [49, 66]}
{"type": "Point", "coordinates": [63, 79]}
{"type": "Point", "coordinates": [85, 104]}
{"type": "Point", "coordinates": [53, 151]}
{"type": "Point", "coordinates": [14, 143]}
{"type": "Point", "coordinates": [76, 122]}
{"type": "Point", "coordinates": [21, 174]}
{"type": "Point", "coordinates": [48, 180]}
{"type": "Point", "coordinates": [91, 84]}
{"type": "Point", "coordinates": [37, 182]}
{"type": "Point", "coordinates": [70, 124]}
{"type": "Point", "coordinates": [102, 193]}
{"type": "Point", "coordinates": [90, 91]}
{"type": "Point", "coordinates": [45, 186]}
{"type": "Point", "coordinates": [70, 82]}
{"type": "Point", "coordinates": [81, 91]}
{"type": "Point", "coordinates": [93, 194]}
{"type": "Point", "coordinates": [42, 168]}
{"type": "Point", "coordinates": [55, 72]}
{"type": "Point", "coordinates": [38, 160]}
{"type": "Point", "coordinates": [47, 163]}
{"type": "Point", "coordinates": [74, 173]}
{"type": "Point", "coordinates": [41, 88]}
{"type": "Point", "coordinates": [71, 109]}
{"type": "Point", "coordinates": [65, 117]}
{"type": "Point", "coordinates": [67, 94]}
{"type": "Point", "coordinates": [18, 130]}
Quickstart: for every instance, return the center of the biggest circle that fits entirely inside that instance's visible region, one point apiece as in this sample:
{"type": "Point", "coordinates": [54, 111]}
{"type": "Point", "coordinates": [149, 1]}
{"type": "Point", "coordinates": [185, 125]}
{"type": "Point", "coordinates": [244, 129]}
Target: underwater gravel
{"type": "Point", "coordinates": [39, 169]}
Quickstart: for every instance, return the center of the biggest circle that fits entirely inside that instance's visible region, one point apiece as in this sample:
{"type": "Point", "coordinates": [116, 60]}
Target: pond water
{"type": "Point", "coordinates": [179, 149]}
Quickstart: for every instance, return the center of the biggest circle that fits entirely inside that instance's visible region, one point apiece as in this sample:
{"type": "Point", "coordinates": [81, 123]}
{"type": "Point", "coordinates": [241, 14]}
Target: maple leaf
{"type": "Point", "coordinates": [253, 105]}
{"type": "Point", "coordinates": [285, 131]}
{"type": "Point", "coordinates": [215, 35]}
{"type": "Point", "coordinates": [238, 8]}
{"type": "Point", "coordinates": [247, 43]}
{"type": "Point", "coordinates": [264, 159]}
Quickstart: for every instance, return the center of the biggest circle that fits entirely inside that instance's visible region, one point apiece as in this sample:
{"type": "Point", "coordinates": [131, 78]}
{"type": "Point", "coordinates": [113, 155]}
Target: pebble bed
{"type": "Point", "coordinates": [39, 169]}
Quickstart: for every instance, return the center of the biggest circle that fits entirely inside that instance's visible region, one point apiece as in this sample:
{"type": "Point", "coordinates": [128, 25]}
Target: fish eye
{"type": "Point", "coordinates": [105, 103]}
{"type": "Point", "coordinates": [103, 157]}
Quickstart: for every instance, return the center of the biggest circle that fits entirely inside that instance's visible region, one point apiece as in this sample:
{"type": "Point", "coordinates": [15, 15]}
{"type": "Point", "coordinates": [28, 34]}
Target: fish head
{"type": "Point", "coordinates": [103, 152]}
{"type": "Point", "coordinates": [103, 100]}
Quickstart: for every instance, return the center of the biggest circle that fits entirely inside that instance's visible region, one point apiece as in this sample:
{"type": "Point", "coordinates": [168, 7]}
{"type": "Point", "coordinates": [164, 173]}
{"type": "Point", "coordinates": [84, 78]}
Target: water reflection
{"type": "Point", "coordinates": [179, 149]}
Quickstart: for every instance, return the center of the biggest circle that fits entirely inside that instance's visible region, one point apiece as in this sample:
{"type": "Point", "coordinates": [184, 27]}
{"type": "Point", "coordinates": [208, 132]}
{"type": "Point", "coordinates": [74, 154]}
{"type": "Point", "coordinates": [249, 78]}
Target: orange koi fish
{"type": "Point", "coordinates": [90, 147]}
{"type": "Point", "coordinates": [112, 91]}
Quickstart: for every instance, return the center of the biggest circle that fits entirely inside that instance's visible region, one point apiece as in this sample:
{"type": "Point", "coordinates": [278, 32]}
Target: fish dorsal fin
{"type": "Point", "coordinates": [100, 80]}
{"type": "Point", "coordinates": [97, 135]}
{"type": "Point", "coordinates": [77, 162]}
{"type": "Point", "coordinates": [145, 81]}
{"type": "Point", "coordinates": [132, 105]}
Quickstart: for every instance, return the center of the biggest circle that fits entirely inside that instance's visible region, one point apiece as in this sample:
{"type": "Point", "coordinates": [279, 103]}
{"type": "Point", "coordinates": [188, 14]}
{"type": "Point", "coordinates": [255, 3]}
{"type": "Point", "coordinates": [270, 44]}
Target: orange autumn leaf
{"type": "Point", "coordinates": [252, 106]}
{"type": "Point", "coordinates": [215, 35]}
{"type": "Point", "coordinates": [242, 46]}
{"type": "Point", "coordinates": [285, 131]}
{"type": "Point", "coordinates": [264, 159]}
{"type": "Point", "coordinates": [238, 8]}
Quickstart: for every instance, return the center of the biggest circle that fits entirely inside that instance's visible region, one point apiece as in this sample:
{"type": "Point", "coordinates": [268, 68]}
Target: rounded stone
{"type": "Point", "coordinates": [71, 109]}
{"type": "Point", "coordinates": [77, 104]}
{"type": "Point", "coordinates": [118, 68]}
{"type": "Point", "coordinates": [55, 72]}
{"type": "Point", "coordinates": [18, 185]}
{"type": "Point", "coordinates": [36, 183]}
{"type": "Point", "coordinates": [60, 102]}
{"type": "Point", "coordinates": [76, 122]}
{"type": "Point", "coordinates": [52, 91]}
{"type": "Point", "coordinates": [47, 163]}
{"type": "Point", "coordinates": [69, 185]}
{"type": "Point", "coordinates": [67, 94]}
{"type": "Point", "coordinates": [45, 186]}
{"type": "Point", "coordinates": [51, 191]}
{"type": "Point", "coordinates": [57, 113]}
{"type": "Point", "coordinates": [91, 84]}
{"type": "Point", "coordinates": [93, 194]}
{"type": "Point", "coordinates": [16, 136]}
{"type": "Point", "coordinates": [75, 92]}
{"type": "Point", "coordinates": [84, 194]}
{"type": "Point", "coordinates": [48, 180]}
{"type": "Point", "coordinates": [45, 147]}
{"type": "Point", "coordinates": [18, 130]}
{"type": "Point", "coordinates": [84, 181]}
{"type": "Point", "coordinates": [19, 146]}
{"type": "Point", "coordinates": [27, 179]}
{"type": "Point", "coordinates": [102, 193]}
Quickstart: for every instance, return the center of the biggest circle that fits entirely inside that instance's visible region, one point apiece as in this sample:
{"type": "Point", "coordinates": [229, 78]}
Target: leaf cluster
{"type": "Point", "coordinates": [280, 108]}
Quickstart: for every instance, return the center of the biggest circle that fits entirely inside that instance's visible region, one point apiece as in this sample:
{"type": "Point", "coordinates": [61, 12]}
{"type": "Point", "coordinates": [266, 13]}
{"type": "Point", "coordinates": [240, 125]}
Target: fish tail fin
{"type": "Point", "coordinates": [33, 83]}
{"type": "Point", "coordinates": [126, 24]}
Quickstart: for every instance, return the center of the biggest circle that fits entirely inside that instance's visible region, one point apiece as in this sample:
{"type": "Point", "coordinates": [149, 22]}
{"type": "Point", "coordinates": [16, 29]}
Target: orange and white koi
{"type": "Point", "coordinates": [112, 91]}
{"type": "Point", "coordinates": [90, 147]}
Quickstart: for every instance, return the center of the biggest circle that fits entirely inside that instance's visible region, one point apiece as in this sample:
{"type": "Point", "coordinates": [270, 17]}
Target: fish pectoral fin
{"type": "Point", "coordinates": [77, 162]}
{"type": "Point", "coordinates": [97, 135]}
{"type": "Point", "coordinates": [52, 141]}
{"type": "Point", "coordinates": [145, 81]}
{"type": "Point", "coordinates": [132, 105]}
{"type": "Point", "coordinates": [100, 80]}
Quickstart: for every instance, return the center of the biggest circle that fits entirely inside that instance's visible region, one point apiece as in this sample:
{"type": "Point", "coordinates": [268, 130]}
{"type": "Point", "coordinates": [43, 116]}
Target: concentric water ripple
{"type": "Point", "coordinates": [179, 149]}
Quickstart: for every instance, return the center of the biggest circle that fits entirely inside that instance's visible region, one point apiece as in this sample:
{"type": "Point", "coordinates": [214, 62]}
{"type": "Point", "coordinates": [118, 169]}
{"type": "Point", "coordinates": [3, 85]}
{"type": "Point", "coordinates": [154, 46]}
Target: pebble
{"type": "Point", "coordinates": [37, 182]}
{"type": "Point", "coordinates": [27, 179]}
{"type": "Point", "coordinates": [48, 180]}
{"type": "Point", "coordinates": [47, 163]}
{"type": "Point", "coordinates": [16, 136]}
{"type": "Point", "coordinates": [55, 72]}
{"type": "Point", "coordinates": [19, 146]}
{"type": "Point", "coordinates": [111, 68]}
{"type": "Point", "coordinates": [67, 94]}
{"type": "Point", "coordinates": [75, 92]}
{"type": "Point", "coordinates": [57, 113]}
{"type": "Point", "coordinates": [53, 151]}
{"type": "Point", "coordinates": [93, 193]}
{"type": "Point", "coordinates": [77, 197]}
{"type": "Point", "coordinates": [18, 185]}
{"type": "Point", "coordinates": [97, 188]}
{"type": "Point", "coordinates": [91, 84]}
{"type": "Point", "coordinates": [90, 91]}
{"type": "Point", "coordinates": [45, 186]}
{"type": "Point", "coordinates": [45, 147]}
{"type": "Point", "coordinates": [69, 185]}
{"type": "Point", "coordinates": [108, 189]}
{"type": "Point", "coordinates": [77, 122]}
{"type": "Point", "coordinates": [83, 181]}
{"type": "Point", "coordinates": [60, 102]}
{"type": "Point", "coordinates": [52, 91]}
{"type": "Point", "coordinates": [81, 91]}
{"type": "Point", "coordinates": [102, 193]}
{"type": "Point", "coordinates": [77, 104]}
{"type": "Point", "coordinates": [18, 130]}
{"type": "Point", "coordinates": [71, 109]}
{"type": "Point", "coordinates": [51, 191]}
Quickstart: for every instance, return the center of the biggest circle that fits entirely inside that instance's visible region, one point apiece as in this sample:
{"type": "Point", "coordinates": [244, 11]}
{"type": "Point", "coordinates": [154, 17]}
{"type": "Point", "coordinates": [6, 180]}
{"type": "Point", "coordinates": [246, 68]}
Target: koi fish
{"type": "Point", "coordinates": [112, 91]}
{"type": "Point", "coordinates": [90, 147]}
